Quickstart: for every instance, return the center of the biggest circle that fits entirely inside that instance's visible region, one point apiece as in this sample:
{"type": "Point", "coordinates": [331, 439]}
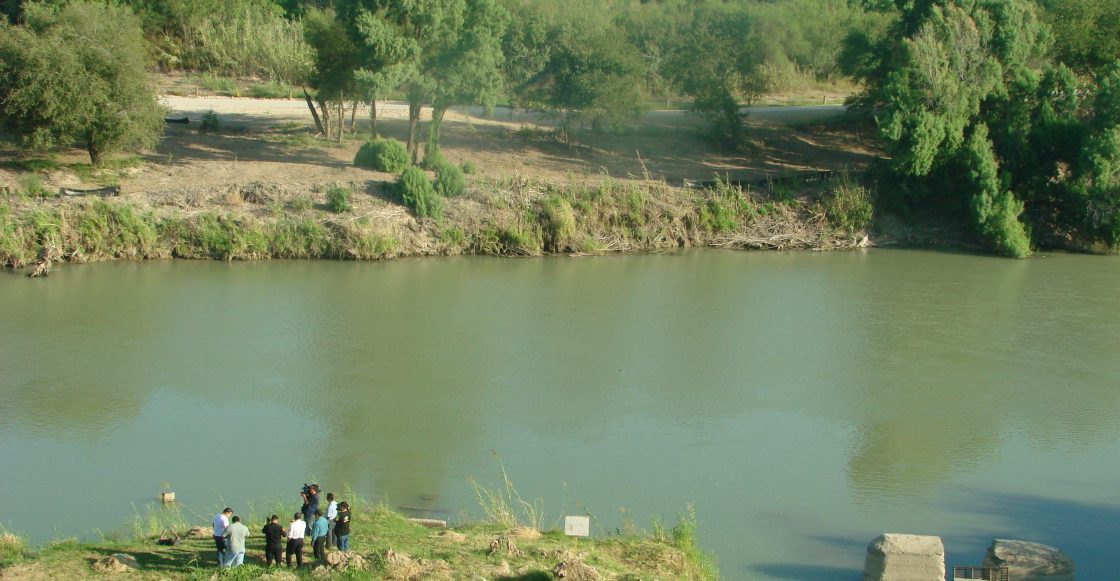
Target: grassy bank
{"type": "Point", "coordinates": [390, 547]}
{"type": "Point", "coordinates": [513, 216]}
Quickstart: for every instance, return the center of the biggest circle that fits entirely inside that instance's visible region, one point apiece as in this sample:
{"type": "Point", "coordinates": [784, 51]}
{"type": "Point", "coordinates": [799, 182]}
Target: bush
{"type": "Point", "coordinates": [849, 207]}
{"type": "Point", "coordinates": [558, 224]}
{"type": "Point", "coordinates": [32, 185]}
{"type": "Point", "coordinates": [417, 193]}
{"type": "Point", "coordinates": [210, 122]}
{"type": "Point", "coordinates": [301, 203]}
{"type": "Point", "coordinates": [469, 168]}
{"type": "Point", "coordinates": [449, 180]}
{"type": "Point", "coordinates": [387, 155]}
{"type": "Point", "coordinates": [338, 199]}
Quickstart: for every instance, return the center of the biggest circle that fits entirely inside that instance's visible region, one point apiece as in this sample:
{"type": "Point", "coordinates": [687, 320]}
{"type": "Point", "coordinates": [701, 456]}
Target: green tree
{"type": "Point", "coordinates": [78, 73]}
{"type": "Point", "coordinates": [715, 61]}
{"type": "Point", "coordinates": [1086, 33]}
{"type": "Point", "coordinates": [592, 75]}
{"type": "Point", "coordinates": [966, 88]}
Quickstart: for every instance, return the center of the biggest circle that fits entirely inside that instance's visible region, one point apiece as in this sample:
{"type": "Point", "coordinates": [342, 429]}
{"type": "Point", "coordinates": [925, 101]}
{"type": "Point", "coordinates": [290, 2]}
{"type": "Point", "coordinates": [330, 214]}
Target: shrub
{"type": "Point", "coordinates": [417, 193]}
{"type": "Point", "coordinates": [32, 185]}
{"type": "Point", "coordinates": [210, 122]}
{"type": "Point", "coordinates": [449, 180]}
{"type": "Point", "coordinates": [387, 155]}
{"type": "Point", "coordinates": [469, 168]}
{"type": "Point", "coordinates": [301, 202]}
{"type": "Point", "coordinates": [558, 224]}
{"type": "Point", "coordinates": [338, 199]}
{"type": "Point", "coordinates": [849, 207]}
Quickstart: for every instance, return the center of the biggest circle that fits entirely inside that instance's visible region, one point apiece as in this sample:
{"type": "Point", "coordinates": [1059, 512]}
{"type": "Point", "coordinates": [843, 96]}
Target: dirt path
{"type": "Point", "coordinates": [272, 142]}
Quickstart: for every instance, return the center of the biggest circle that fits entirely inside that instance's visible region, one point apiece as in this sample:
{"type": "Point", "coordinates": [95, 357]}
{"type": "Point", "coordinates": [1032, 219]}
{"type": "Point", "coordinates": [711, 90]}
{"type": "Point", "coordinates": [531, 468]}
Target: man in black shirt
{"type": "Point", "coordinates": [342, 527]}
{"type": "Point", "coordinates": [273, 540]}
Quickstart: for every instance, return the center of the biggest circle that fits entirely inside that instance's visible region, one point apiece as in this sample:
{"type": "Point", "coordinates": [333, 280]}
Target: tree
{"type": "Point", "coordinates": [335, 62]}
{"type": "Point", "coordinates": [77, 73]}
{"type": "Point", "coordinates": [1086, 33]}
{"type": "Point", "coordinates": [967, 89]}
{"type": "Point", "coordinates": [592, 75]}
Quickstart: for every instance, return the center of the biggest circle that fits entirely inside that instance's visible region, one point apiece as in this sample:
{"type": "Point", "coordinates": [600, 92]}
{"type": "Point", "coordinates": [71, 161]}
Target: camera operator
{"type": "Point", "coordinates": [310, 494]}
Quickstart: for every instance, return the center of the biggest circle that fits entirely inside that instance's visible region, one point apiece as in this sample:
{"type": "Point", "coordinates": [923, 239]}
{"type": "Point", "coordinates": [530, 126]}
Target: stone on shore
{"type": "Point", "coordinates": [1027, 561]}
{"type": "Point", "coordinates": [901, 557]}
{"type": "Point", "coordinates": [116, 563]}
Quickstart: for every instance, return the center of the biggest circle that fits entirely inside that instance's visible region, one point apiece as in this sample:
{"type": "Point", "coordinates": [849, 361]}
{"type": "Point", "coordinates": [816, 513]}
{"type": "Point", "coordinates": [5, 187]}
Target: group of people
{"type": "Point", "coordinates": [327, 529]}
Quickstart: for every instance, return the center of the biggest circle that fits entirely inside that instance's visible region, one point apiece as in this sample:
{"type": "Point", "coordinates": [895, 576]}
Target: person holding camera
{"type": "Point", "coordinates": [310, 494]}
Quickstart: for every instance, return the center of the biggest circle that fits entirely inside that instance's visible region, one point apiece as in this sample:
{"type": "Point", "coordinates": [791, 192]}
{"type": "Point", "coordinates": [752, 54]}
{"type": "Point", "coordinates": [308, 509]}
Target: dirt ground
{"type": "Point", "coordinates": [272, 142]}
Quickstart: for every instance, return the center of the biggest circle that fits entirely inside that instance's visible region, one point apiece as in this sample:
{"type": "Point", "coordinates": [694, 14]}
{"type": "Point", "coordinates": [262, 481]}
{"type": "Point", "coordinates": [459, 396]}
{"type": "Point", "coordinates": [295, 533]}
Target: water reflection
{"type": "Point", "coordinates": [784, 393]}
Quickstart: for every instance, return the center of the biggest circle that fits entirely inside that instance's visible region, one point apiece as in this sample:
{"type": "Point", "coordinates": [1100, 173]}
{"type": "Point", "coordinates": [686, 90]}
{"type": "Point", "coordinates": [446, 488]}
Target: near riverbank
{"type": "Point", "coordinates": [384, 545]}
{"type": "Point", "coordinates": [511, 216]}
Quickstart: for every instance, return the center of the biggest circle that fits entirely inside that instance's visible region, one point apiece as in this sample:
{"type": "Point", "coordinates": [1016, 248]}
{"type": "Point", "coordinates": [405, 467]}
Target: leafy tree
{"type": "Point", "coordinates": [716, 63]}
{"type": "Point", "coordinates": [1086, 33]}
{"type": "Point", "coordinates": [966, 88]}
{"type": "Point", "coordinates": [592, 74]}
{"type": "Point", "coordinates": [77, 73]}
{"type": "Point", "coordinates": [335, 61]}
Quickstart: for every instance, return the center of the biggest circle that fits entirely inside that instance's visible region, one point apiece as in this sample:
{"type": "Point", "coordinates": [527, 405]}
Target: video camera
{"type": "Point", "coordinates": [306, 490]}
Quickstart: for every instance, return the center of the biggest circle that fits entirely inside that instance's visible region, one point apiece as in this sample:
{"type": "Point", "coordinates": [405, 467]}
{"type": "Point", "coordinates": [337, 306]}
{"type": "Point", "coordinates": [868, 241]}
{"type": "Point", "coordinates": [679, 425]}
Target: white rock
{"type": "Point", "coordinates": [900, 557]}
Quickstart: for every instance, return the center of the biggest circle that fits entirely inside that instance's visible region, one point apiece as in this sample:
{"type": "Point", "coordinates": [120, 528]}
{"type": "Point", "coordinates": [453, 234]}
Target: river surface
{"type": "Point", "coordinates": [803, 402]}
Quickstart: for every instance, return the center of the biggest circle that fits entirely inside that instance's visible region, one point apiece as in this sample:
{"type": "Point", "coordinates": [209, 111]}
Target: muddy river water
{"type": "Point", "coordinates": [802, 402]}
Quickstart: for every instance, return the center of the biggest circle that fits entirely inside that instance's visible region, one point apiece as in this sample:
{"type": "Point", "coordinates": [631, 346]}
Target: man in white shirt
{"type": "Point", "coordinates": [332, 513]}
{"type": "Point", "coordinates": [221, 521]}
{"type": "Point", "coordinates": [235, 542]}
{"type": "Point", "coordinates": [296, 530]}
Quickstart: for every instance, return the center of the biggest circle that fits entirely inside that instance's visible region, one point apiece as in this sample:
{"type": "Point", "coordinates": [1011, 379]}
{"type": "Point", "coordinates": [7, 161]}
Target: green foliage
{"type": "Point", "coordinates": [1086, 33]}
{"type": "Point", "coordinates": [449, 180]}
{"type": "Point", "coordinates": [338, 199]}
{"type": "Point", "coordinates": [592, 74]}
{"type": "Point", "coordinates": [301, 203]}
{"type": "Point", "coordinates": [12, 547]}
{"type": "Point", "coordinates": [469, 168]}
{"type": "Point", "coordinates": [848, 206]}
{"type": "Point", "coordinates": [995, 210]}
{"type": "Point", "coordinates": [210, 122]}
{"type": "Point", "coordinates": [416, 192]}
{"type": "Point", "coordinates": [387, 155]}
{"type": "Point", "coordinates": [965, 89]}
{"type": "Point", "coordinates": [77, 73]}
{"type": "Point", "coordinates": [270, 90]}
{"type": "Point", "coordinates": [558, 224]}
{"type": "Point", "coordinates": [32, 185]}
{"type": "Point", "coordinates": [716, 64]}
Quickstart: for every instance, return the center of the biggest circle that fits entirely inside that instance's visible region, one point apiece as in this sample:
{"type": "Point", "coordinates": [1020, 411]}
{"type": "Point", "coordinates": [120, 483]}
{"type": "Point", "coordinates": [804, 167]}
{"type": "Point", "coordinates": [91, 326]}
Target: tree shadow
{"type": "Point", "coordinates": [1085, 531]}
{"type": "Point", "coordinates": [806, 572]}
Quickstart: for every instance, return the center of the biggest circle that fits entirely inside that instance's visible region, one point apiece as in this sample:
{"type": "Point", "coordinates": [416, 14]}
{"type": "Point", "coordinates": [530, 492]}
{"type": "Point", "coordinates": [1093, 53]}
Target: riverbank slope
{"type": "Point", "coordinates": [389, 546]}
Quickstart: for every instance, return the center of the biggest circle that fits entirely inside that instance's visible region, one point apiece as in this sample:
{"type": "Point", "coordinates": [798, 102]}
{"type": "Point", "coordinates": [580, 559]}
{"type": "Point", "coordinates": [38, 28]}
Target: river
{"type": "Point", "coordinates": [803, 402]}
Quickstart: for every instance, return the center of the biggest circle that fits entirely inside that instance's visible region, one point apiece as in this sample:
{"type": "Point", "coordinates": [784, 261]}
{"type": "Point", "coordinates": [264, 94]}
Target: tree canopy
{"type": "Point", "coordinates": [77, 73]}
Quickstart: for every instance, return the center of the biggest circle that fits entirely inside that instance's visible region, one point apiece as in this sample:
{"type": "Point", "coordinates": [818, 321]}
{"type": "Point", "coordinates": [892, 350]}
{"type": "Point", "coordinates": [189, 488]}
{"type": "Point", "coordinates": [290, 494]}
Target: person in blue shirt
{"type": "Point", "coordinates": [319, 536]}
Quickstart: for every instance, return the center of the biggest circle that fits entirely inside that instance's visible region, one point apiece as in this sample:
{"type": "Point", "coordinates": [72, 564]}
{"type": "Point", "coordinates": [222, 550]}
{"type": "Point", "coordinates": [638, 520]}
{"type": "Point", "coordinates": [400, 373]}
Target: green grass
{"type": "Point", "coordinates": [375, 529]}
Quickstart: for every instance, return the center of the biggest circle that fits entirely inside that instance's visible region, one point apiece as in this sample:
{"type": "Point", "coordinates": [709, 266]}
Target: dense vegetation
{"type": "Point", "coordinates": [1001, 114]}
{"type": "Point", "coordinates": [983, 124]}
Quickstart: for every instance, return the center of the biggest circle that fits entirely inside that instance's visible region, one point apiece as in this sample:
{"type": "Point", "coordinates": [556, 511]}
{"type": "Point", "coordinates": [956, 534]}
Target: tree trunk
{"type": "Point", "coordinates": [93, 149]}
{"type": "Point", "coordinates": [413, 129]}
{"type": "Point", "coordinates": [373, 118]}
{"type": "Point", "coordinates": [314, 113]}
{"type": "Point", "coordinates": [353, 114]}
{"type": "Point", "coordinates": [325, 114]}
{"type": "Point", "coordinates": [341, 121]}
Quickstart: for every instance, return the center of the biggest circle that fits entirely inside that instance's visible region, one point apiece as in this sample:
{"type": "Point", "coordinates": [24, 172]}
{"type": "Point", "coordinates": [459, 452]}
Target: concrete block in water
{"type": "Point", "coordinates": [1027, 561]}
{"type": "Point", "coordinates": [900, 557]}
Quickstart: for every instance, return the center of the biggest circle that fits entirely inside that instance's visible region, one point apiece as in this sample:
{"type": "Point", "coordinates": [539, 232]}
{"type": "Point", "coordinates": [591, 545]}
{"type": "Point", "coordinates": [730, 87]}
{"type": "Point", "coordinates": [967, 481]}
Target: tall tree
{"type": "Point", "coordinates": [78, 73]}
